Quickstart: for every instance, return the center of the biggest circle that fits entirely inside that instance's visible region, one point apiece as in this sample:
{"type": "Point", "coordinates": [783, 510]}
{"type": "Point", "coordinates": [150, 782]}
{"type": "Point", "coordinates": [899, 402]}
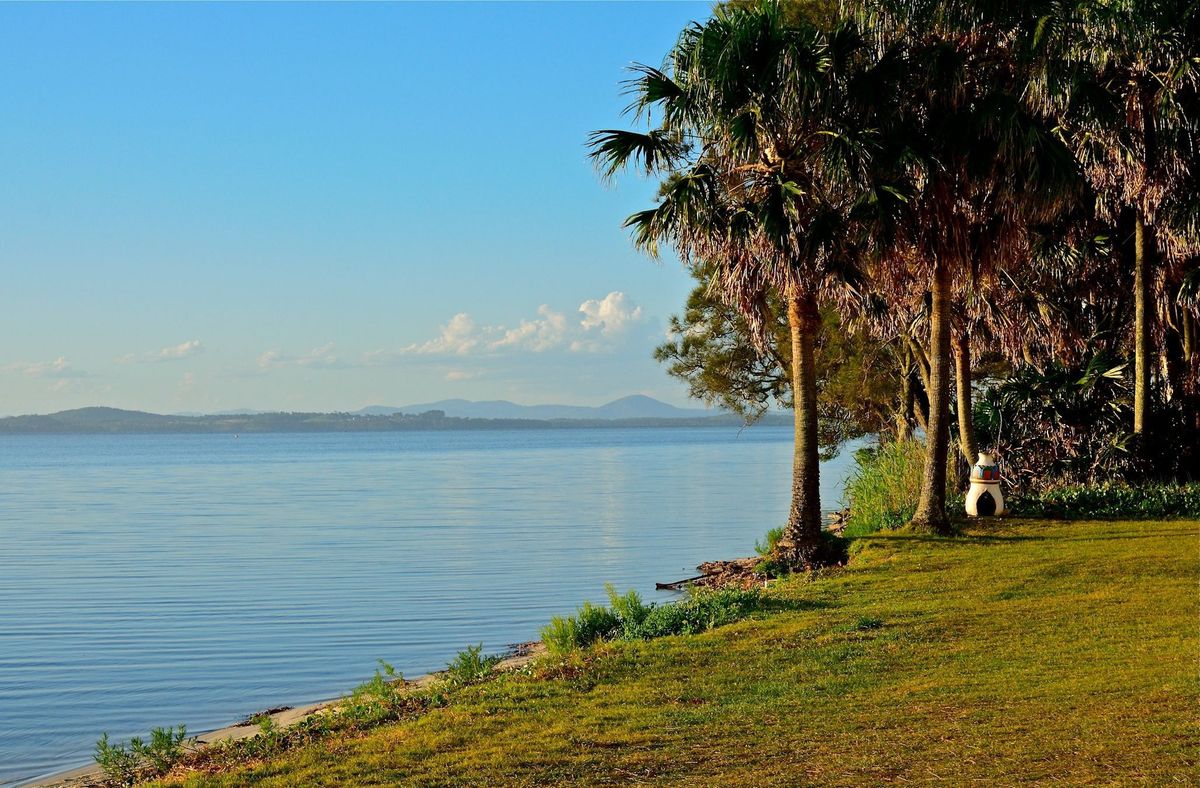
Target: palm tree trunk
{"type": "Point", "coordinates": [931, 509]}
{"type": "Point", "coordinates": [1141, 328]}
{"type": "Point", "coordinates": [802, 535]}
{"type": "Point", "coordinates": [1189, 336]}
{"type": "Point", "coordinates": [962, 370]}
{"type": "Point", "coordinates": [904, 413]}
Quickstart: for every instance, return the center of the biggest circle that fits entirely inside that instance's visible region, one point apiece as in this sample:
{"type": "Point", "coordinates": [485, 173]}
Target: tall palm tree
{"type": "Point", "coordinates": [747, 128]}
{"type": "Point", "coordinates": [978, 167]}
{"type": "Point", "coordinates": [1122, 78]}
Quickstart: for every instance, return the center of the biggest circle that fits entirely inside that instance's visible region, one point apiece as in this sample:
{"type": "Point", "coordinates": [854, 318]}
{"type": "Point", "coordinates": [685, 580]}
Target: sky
{"type": "Point", "coordinates": [279, 206]}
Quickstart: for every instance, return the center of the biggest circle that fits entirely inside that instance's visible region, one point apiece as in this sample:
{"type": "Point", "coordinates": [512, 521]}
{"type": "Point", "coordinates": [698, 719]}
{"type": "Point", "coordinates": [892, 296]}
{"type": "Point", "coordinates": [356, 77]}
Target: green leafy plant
{"type": "Point", "coordinates": [629, 608]}
{"type": "Point", "coordinates": [124, 764]}
{"type": "Point", "coordinates": [1111, 499]}
{"type": "Point", "coordinates": [119, 764]}
{"type": "Point", "coordinates": [559, 635]}
{"type": "Point", "coordinates": [704, 609]}
{"type": "Point", "coordinates": [377, 697]}
{"type": "Point", "coordinates": [164, 749]}
{"type": "Point", "coordinates": [470, 665]}
{"type": "Point", "coordinates": [883, 488]}
{"type": "Point", "coordinates": [629, 618]}
{"type": "Point", "coordinates": [765, 547]}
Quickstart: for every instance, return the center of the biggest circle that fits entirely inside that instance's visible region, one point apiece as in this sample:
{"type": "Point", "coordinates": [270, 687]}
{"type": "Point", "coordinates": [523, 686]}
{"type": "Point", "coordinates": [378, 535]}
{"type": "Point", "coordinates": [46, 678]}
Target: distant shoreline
{"type": "Point", "coordinates": [112, 421]}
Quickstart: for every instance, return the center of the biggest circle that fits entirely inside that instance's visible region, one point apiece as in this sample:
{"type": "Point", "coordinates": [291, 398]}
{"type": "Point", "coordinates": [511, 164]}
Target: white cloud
{"type": "Point", "coordinates": [601, 321]}
{"type": "Point", "coordinates": [59, 368]}
{"type": "Point", "coordinates": [458, 336]}
{"type": "Point", "coordinates": [321, 357]}
{"type": "Point", "coordinates": [182, 350]}
{"type": "Point", "coordinates": [543, 333]}
{"type": "Point", "coordinates": [170, 353]}
{"type": "Point", "coordinates": [611, 314]}
{"type": "Point", "coordinates": [461, 374]}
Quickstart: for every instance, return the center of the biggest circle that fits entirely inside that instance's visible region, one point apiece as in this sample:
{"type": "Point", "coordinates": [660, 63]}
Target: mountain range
{"type": "Point", "coordinates": [637, 406]}
{"type": "Point", "coordinates": [636, 411]}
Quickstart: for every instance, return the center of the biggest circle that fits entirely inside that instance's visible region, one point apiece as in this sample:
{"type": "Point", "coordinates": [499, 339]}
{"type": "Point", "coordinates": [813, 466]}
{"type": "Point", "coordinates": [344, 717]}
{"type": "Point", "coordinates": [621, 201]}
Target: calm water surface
{"type": "Point", "coordinates": [154, 580]}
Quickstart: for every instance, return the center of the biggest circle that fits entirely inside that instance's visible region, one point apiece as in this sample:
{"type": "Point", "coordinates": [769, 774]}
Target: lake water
{"type": "Point", "coordinates": [162, 579]}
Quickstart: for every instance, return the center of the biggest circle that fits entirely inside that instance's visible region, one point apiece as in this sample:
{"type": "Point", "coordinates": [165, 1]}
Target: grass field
{"type": "Point", "coordinates": [1023, 651]}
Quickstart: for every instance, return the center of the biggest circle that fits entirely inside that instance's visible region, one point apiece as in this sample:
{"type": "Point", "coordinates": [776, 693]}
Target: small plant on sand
{"type": "Point", "coordinates": [118, 763]}
{"type": "Point", "coordinates": [125, 764]}
{"type": "Point", "coordinates": [765, 548]}
{"type": "Point", "coordinates": [164, 749]}
{"type": "Point", "coordinates": [377, 697]}
{"type": "Point", "coordinates": [470, 665]}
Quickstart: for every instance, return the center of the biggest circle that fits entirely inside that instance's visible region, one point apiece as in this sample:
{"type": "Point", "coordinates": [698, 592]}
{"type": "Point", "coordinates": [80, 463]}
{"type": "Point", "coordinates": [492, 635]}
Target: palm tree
{"type": "Point", "coordinates": [977, 168]}
{"type": "Point", "coordinates": [1122, 78]}
{"type": "Point", "coordinates": [758, 168]}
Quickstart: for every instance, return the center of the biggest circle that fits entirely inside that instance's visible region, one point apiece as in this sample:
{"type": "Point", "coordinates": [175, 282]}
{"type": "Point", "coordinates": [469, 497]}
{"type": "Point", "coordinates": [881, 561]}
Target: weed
{"type": "Point", "coordinates": [470, 666]}
{"type": "Point", "coordinates": [125, 764]}
{"type": "Point", "coordinates": [765, 547]}
{"type": "Point", "coordinates": [629, 618]}
{"type": "Point", "coordinates": [119, 764]}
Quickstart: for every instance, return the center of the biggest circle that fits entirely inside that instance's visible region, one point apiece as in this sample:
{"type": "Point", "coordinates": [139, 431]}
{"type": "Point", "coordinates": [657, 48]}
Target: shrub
{"type": "Point", "coordinates": [595, 622]}
{"type": "Point", "coordinates": [164, 749]}
{"type": "Point", "coordinates": [886, 484]}
{"type": "Point", "coordinates": [589, 624]}
{"type": "Point", "coordinates": [378, 697]}
{"type": "Point", "coordinates": [119, 764]}
{"type": "Point", "coordinates": [1061, 422]}
{"type": "Point", "coordinates": [766, 551]}
{"type": "Point", "coordinates": [629, 608]}
{"type": "Point", "coordinates": [631, 619]}
{"type": "Point", "coordinates": [1110, 499]}
{"type": "Point", "coordinates": [560, 635]}
{"type": "Point", "coordinates": [470, 665]}
{"type": "Point", "coordinates": [124, 765]}
{"type": "Point", "coordinates": [765, 547]}
{"type": "Point", "coordinates": [701, 611]}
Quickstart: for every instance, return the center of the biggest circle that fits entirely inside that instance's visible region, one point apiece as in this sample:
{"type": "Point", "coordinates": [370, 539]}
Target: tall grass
{"type": "Point", "coordinates": [886, 484]}
{"type": "Point", "coordinates": [884, 487]}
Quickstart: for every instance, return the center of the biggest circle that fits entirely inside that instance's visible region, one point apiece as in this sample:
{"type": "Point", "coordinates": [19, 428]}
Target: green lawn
{"type": "Point", "coordinates": [1023, 651]}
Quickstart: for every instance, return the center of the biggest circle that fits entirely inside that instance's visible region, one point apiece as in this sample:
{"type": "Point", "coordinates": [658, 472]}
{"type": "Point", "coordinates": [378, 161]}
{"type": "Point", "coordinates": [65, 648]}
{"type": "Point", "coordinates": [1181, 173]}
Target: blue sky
{"type": "Point", "coordinates": [305, 206]}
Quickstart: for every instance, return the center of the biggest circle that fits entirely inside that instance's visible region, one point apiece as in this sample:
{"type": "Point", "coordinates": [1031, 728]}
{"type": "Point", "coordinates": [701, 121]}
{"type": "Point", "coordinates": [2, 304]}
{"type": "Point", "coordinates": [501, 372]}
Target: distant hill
{"type": "Point", "coordinates": [637, 406]}
{"type": "Point", "coordinates": [116, 421]}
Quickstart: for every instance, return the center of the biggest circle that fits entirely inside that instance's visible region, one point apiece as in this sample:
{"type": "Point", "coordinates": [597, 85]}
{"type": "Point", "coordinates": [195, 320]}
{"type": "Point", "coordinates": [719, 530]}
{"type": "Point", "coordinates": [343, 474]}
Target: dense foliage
{"type": "Point", "coordinates": [1113, 499]}
{"type": "Point", "coordinates": [858, 379]}
{"type": "Point", "coordinates": [955, 181]}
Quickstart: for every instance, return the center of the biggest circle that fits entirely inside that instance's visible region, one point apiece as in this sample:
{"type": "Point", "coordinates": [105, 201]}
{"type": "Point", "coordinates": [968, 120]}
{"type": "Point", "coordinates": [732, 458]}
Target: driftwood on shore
{"type": "Point", "coordinates": [741, 572]}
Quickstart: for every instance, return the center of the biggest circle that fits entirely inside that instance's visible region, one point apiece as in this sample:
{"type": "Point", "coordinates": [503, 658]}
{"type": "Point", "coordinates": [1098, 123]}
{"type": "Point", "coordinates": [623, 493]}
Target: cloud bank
{"type": "Point", "coordinates": [596, 326]}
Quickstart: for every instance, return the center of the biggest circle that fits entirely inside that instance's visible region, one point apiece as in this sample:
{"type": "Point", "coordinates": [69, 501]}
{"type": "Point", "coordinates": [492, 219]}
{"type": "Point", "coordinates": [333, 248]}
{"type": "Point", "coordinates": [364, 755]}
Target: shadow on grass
{"type": "Point", "coordinates": [969, 540]}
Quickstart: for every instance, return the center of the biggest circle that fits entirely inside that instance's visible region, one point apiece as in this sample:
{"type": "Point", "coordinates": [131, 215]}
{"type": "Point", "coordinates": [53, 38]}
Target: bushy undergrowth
{"type": "Point", "coordinates": [125, 764]}
{"type": "Point", "coordinates": [1110, 499]}
{"type": "Point", "coordinates": [629, 618]}
{"type": "Point", "coordinates": [884, 487]}
{"type": "Point", "coordinates": [471, 665]}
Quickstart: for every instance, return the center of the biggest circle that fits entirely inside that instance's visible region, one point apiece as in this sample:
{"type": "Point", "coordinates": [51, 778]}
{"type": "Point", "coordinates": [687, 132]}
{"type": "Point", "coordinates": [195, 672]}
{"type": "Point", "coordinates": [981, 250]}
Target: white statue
{"type": "Point", "coordinates": [984, 498]}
